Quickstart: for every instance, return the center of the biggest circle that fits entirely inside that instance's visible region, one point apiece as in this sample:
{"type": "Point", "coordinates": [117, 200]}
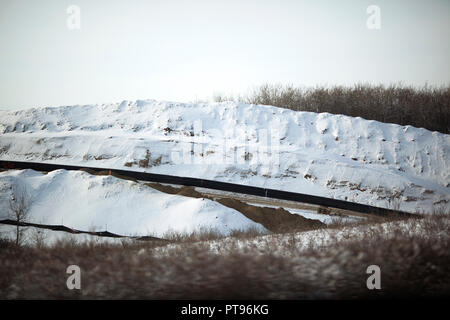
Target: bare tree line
{"type": "Point", "coordinates": [425, 107]}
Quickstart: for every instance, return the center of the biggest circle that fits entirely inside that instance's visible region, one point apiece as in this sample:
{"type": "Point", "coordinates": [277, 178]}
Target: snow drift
{"type": "Point", "coordinates": [322, 154]}
{"type": "Point", "coordinates": [95, 203]}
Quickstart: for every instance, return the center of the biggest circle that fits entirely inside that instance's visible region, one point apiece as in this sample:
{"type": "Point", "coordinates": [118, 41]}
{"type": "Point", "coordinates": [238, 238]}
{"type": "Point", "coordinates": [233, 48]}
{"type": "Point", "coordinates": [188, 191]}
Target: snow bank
{"type": "Point", "coordinates": [322, 154]}
{"type": "Point", "coordinates": [82, 201]}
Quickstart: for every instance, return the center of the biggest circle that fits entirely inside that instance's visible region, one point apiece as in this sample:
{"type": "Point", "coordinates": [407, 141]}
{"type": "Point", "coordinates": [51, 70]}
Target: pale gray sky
{"type": "Point", "coordinates": [187, 50]}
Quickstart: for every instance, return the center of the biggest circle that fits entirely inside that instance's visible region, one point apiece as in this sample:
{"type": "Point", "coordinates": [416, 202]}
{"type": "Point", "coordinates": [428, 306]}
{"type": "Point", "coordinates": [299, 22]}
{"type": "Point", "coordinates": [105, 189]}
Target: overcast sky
{"type": "Point", "coordinates": [188, 50]}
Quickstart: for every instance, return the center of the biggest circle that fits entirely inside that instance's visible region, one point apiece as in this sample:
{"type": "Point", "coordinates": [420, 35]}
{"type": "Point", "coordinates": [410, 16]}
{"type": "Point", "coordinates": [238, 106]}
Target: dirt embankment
{"type": "Point", "coordinates": [275, 220]}
{"type": "Point", "coordinates": [182, 191]}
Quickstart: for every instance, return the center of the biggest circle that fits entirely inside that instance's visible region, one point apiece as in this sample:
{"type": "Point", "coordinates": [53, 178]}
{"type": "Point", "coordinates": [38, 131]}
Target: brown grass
{"type": "Point", "coordinates": [413, 264]}
{"type": "Point", "coordinates": [207, 234]}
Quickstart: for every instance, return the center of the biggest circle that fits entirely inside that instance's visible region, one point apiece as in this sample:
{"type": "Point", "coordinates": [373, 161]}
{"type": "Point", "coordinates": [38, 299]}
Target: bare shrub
{"type": "Point", "coordinates": [251, 232]}
{"type": "Point", "coordinates": [5, 243]}
{"type": "Point", "coordinates": [38, 237]}
{"type": "Point", "coordinates": [201, 234]}
{"type": "Point", "coordinates": [207, 234]}
{"type": "Point", "coordinates": [217, 97]}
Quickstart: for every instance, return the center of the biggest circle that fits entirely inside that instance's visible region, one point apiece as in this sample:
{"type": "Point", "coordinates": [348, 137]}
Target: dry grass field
{"type": "Point", "coordinates": [326, 263]}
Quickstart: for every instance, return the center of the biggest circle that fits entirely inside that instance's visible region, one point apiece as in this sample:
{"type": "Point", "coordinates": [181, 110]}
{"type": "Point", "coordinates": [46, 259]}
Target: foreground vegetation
{"type": "Point", "coordinates": [426, 107]}
{"type": "Point", "coordinates": [413, 256]}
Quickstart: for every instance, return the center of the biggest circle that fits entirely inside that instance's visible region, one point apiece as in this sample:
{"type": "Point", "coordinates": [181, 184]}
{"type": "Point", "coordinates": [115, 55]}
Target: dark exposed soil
{"type": "Point", "coordinates": [183, 191]}
{"type": "Point", "coordinates": [275, 220]}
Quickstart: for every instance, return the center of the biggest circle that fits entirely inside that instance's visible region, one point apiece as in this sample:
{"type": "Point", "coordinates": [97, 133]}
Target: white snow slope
{"type": "Point", "coordinates": [86, 202]}
{"type": "Point", "coordinates": [322, 154]}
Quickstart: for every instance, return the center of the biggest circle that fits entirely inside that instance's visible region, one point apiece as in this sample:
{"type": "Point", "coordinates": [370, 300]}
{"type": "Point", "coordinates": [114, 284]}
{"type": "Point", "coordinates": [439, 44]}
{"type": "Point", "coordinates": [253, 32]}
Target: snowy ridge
{"type": "Point", "coordinates": [87, 202]}
{"type": "Point", "coordinates": [322, 154]}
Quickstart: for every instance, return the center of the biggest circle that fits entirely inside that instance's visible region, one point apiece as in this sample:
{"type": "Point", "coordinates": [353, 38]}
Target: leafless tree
{"type": "Point", "coordinates": [19, 205]}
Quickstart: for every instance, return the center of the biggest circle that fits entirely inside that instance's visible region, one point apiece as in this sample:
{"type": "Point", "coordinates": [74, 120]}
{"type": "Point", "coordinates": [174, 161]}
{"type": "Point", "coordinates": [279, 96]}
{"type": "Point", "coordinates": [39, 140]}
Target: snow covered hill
{"type": "Point", "coordinates": [96, 203]}
{"type": "Point", "coordinates": [322, 154]}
